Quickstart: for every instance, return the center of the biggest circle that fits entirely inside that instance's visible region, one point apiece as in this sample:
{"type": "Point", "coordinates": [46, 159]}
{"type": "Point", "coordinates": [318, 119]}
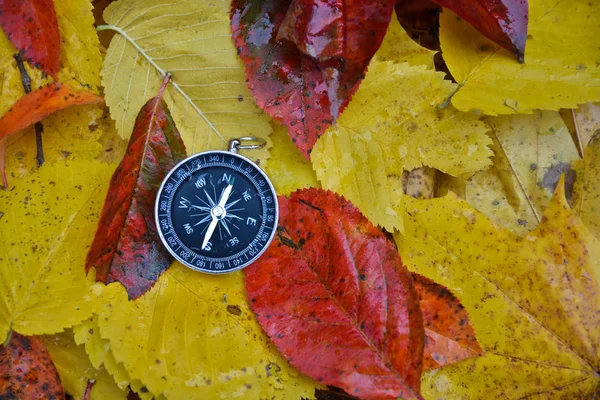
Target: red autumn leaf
{"type": "Point", "coordinates": [502, 21]}
{"type": "Point", "coordinates": [449, 336]}
{"type": "Point", "coordinates": [334, 297]}
{"type": "Point", "coordinates": [420, 19]}
{"type": "Point", "coordinates": [127, 247]}
{"type": "Point", "coordinates": [31, 27]}
{"type": "Point", "coordinates": [305, 58]}
{"type": "Point", "coordinates": [27, 370]}
{"type": "Point", "coordinates": [35, 106]}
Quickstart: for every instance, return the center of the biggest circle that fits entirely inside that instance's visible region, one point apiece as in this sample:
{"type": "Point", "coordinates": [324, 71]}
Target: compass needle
{"type": "Point", "coordinates": [231, 195]}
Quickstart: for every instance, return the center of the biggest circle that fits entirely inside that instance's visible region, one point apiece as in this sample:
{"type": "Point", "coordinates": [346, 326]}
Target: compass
{"type": "Point", "coordinates": [216, 211]}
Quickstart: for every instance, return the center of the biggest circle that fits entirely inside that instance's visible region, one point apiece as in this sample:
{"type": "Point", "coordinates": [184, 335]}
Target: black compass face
{"type": "Point", "coordinates": [216, 212]}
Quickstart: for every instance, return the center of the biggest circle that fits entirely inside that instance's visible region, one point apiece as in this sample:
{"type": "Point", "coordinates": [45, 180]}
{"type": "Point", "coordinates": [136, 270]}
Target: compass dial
{"type": "Point", "coordinates": [216, 212]}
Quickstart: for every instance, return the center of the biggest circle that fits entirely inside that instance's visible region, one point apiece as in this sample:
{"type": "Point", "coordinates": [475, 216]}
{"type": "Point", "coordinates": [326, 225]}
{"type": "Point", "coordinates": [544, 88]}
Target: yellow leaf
{"type": "Point", "coordinates": [49, 218]}
{"type": "Point", "coordinates": [100, 355]}
{"type": "Point", "coordinates": [80, 57]}
{"type": "Point", "coordinates": [397, 46]}
{"type": "Point", "coordinates": [75, 369]}
{"type": "Point", "coordinates": [561, 66]}
{"type": "Point", "coordinates": [586, 196]}
{"type": "Point", "coordinates": [208, 97]}
{"type": "Point", "coordinates": [531, 153]}
{"type": "Point", "coordinates": [532, 300]}
{"type": "Point", "coordinates": [287, 168]}
{"type": "Point", "coordinates": [193, 336]}
{"type": "Point", "coordinates": [393, 124]}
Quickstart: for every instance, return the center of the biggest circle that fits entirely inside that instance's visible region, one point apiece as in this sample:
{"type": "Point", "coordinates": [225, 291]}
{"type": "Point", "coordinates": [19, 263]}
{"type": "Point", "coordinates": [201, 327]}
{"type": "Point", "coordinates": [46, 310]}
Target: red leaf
{"type": "Point", "coordinates": [449, 336]}
{"type": "Point", "coordinates": [305, 58]}
{"type": "Point", "coordinates": [35, 106]}
{"type": "Point", "coordinates": [502, 21]}
{"type": "Point", "coordinates": [27, 370]}
{"type": "Point", "coordinates": [127, 247]}
{"type": "Point", "coordinates": [334, 297]}
{"type": "Point", "coordinates": [31, 27]}
{"type": "Point", "coordinates": [420, 19]}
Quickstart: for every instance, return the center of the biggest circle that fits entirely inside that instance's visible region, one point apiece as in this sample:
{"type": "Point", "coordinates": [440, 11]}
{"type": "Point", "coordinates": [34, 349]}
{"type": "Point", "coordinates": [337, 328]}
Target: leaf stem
{"type": "Point", "coordinates": [39, 128]}
{"type": "Point", "coordinates": [131, 41]}
{"type": "Point", "coordinates": [8, 338]}
{"type": "Point", "coordinates": [88, 389]}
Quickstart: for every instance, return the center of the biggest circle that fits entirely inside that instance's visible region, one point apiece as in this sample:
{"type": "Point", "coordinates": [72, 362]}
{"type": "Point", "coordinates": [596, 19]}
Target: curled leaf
{"type": "Point", "coordinates": [27, 370]}
{"type": "Point", "coordinates": [305, 58]}
{"type": "Point", "coordinates": [334, 297]}
{"type": "Point", "coordinates": [32, 27]}
{"type": "Point", "coordinates": [126, 247]}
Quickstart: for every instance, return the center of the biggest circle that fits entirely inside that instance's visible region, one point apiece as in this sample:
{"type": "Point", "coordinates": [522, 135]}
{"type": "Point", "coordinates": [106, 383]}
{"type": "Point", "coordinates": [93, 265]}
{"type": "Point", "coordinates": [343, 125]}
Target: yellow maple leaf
{"type": "Point", "coordinates": [190, 337]}
{"type": "Point", "coordinates": [397, 46]}
{"type": "Point", "coordinates": [49, 218]}
{"type": "Point", "coordinates": [287, 168]}
{"type": "Point", "coordinates": [586, 195]}
{"type": "Point", "coordinates": [532, 300]}
{"type": "Point", "coordinates": [75, 369]}
{"type": "Point", "coordinates": [208, 97]}
{"type": "Point", "coordinates": [531, 153]}
{"type": "Point", "coordinates": [394, 124]}
{"type": "Point", "coordinates": [561, 66]}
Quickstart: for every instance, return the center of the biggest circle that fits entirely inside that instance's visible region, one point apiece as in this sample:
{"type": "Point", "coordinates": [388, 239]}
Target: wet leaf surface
{"type": "Point", "coordinates": [305, 58]}
{"type": "Point", "coordinates": [32, 27]}
{"type": "Point", "coordinates": [127, 247]}
{"type": "Point", "coordinates": [334, 297]}
{"type": "Point", "coordinates": [27, 370]}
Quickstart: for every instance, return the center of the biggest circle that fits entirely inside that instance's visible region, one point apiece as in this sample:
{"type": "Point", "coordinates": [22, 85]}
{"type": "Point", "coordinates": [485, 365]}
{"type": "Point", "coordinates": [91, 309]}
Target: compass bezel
{"type": "Point", "coordinates": [212, 260]}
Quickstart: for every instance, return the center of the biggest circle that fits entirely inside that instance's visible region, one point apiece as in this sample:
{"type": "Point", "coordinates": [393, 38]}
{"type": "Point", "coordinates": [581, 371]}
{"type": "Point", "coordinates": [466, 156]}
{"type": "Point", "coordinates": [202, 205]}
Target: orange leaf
{"type": "Point", "coordinates": [449, 335]}
{"type": "Point", "coordinates": [40, 103]}
{"type": "Point", "coordinates": [37, 105]}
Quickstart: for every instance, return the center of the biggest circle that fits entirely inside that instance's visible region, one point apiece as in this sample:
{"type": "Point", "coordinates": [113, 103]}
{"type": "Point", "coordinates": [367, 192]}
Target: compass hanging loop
{"type": "Point", "coordinates": [246, 143]}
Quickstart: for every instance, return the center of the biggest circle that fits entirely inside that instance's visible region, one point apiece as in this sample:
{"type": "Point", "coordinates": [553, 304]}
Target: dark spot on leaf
{"type": "Point", "coordinates": [235, 310]}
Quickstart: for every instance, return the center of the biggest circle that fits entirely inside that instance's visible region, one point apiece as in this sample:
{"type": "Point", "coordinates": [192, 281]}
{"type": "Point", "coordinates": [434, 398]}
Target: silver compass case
{"type": "Point", "coordinates": [217, 211]}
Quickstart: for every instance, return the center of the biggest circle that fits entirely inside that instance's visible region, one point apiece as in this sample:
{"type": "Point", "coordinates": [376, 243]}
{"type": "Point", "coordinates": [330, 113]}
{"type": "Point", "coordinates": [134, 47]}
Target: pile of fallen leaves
{"type": "Point", "coordinates": [438, 166]}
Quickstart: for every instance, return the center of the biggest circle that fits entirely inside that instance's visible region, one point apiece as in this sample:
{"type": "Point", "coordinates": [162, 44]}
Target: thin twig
{"type": "Point", "coordinates": [39, 128]}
